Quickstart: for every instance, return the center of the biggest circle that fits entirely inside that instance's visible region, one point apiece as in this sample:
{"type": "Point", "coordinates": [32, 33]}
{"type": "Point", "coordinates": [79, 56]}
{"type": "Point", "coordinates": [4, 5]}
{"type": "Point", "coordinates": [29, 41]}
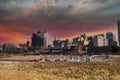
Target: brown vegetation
{"type": "Point", "coordinates": [59, 71]}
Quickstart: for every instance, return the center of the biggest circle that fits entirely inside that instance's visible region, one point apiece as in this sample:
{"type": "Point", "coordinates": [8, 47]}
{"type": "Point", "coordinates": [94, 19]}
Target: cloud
{"type": "Point", "coordinates": [57, 9]}
{"type": "Point", "coordinates": [3, 13]}
{"type": "Point", "coordinates": [59, 17]}
{"type": "Point", "coordinates": [11, 36]}
{"type": "Point", "coordinates": [74, 10]}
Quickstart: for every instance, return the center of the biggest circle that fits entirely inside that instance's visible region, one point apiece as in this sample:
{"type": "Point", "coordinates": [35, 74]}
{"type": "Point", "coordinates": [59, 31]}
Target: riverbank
{"type": "Point", "coordinates": [61, 57]}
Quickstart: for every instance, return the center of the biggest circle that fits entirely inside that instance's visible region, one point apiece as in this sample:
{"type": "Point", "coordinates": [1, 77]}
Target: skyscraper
{"type": "Point", "coordinates": [119, 31]}
{"type": "Point", "coordinates": [100, 40]}
{"type": "Point", "coordinates": [47, 37]}
{"type": "Point", "coordinates": [110, 36]}
{"type": "Point", "coordinates": [37, 40]}
{"type": "Point", "coordinates": [41, 39]}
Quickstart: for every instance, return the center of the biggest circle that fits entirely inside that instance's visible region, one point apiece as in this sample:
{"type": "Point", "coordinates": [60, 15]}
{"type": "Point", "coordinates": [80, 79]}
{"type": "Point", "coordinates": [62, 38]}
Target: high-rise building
{"type": "Point", "coordinates": [47, 37]}
{"type": "Point", "coordinates": [37, 41]}
{"type": "Point", "coordinates": [100, 40]}
{"type": "Point", "coordinates": [119, 31]}
{"type": "Point", "coordinates": [41, 39]}
{"type": "Point", "coordinates": [105, 42]}
{"type": "Point", "coordinates": [110, 36]}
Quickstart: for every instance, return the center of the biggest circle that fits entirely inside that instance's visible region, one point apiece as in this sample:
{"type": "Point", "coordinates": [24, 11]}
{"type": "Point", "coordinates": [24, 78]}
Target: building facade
{"type": "Point", "coordinates": [82, 40]}
{"type": "Point", "coordinates": [58, 45]}
{"type": "Point", "coordinates": [47, 38]}
{"type": "Point", "coordinates": [8, 46]}
{"type": "Point", "coordinates": [119, 31]}
{"type": "Point", "coordinates": [100, 40]}
{"type": "Point", "coordinates": [110, 36]}
{"type": "Point", "coordinates": [41, 39]}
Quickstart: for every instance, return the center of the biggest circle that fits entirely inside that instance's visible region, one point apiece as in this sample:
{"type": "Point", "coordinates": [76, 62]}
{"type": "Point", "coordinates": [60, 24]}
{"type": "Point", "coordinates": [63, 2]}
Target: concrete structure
{"type": "Point", "coordinates": [58, 45]}
{"type": "Point", "coordinates": [62, 44]}
{"type": "Point", "coordinates": [106, 42]}
{"type": "Point", "coordinates": [119, 31]}
{"type": "Point", "coordinates": [47, 37]}
{"type": "Point", "coordinates": [37, 40]}
{"type": "Point", "coordinates": [8, 46]}
{"type": "Point", "coordinates": [100, 40]}
{"type": "Point", "coordinates": [80, 43]}
{"type": "Point", "coordinates": [82, 40]}
{"type": "Point", "coordinates": [41, 39]}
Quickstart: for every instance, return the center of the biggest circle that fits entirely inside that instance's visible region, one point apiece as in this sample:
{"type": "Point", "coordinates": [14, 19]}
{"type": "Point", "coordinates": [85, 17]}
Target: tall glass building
{"type": "Point", "coordinates": [110, 36]}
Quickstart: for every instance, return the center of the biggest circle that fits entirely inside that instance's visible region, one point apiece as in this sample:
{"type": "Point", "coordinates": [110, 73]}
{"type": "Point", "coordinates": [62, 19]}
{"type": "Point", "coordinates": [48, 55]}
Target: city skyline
{"type": "Point", "coordinates": [62, 18]}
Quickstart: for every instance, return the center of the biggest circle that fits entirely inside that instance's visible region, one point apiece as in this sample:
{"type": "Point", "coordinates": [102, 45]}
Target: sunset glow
{"type": "Point", "coordinates": [61, 18]}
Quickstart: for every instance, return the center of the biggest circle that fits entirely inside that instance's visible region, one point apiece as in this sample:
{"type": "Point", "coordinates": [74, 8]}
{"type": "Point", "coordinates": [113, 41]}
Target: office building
{"type": "Point", "coordinates": [61, 44]}
{"type": "Point", "coordinates": [41, 39]}
{"type": "Point", "coordinates": [110, 36]}
{"type": "Point", "coordinates": [100, 40]}
{"type": "Point", "coordinates": [119, 31]}
{"type": "Point", "coordinates": [105, 42]}
{"type": "Point", "coordinates": [37, 41]}
{"type": "Point", "coordinates": [82, 40]}
{"type": "Point", "coordinates": [47, 37]}
{"type": "Point", "coordinates": [58, 45]}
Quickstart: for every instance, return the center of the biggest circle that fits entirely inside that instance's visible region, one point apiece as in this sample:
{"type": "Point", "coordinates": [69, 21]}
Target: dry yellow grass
{"type": "Point", "coordinates": [59, 71]}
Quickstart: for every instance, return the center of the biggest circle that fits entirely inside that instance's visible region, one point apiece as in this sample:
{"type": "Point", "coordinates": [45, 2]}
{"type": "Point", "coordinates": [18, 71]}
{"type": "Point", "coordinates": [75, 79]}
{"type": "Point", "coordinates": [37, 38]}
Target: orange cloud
{"type": "Point", "coordinates": [8, 35]}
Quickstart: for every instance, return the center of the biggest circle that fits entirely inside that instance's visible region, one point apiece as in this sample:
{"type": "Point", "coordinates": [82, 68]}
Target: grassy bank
{"type": "Point", "coordinates": [6, 55]}
{"type": "Point", "coordinates": [59, 71]}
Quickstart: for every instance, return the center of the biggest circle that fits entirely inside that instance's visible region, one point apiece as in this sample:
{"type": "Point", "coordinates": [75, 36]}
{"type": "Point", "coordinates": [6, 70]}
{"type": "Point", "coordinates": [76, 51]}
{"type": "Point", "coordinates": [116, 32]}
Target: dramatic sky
{"type": "Point", "coordinates": [61, 18]}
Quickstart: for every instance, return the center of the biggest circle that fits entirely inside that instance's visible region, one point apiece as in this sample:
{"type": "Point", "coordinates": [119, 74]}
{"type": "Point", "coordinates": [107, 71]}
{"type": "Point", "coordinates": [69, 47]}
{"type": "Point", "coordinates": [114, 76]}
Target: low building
{"type": "Point", "coordinates": [82, 40]}
{"type": "Point", "coordinates": [58, 45]}
{"type": "Point", "coordinates": [7, 46]}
